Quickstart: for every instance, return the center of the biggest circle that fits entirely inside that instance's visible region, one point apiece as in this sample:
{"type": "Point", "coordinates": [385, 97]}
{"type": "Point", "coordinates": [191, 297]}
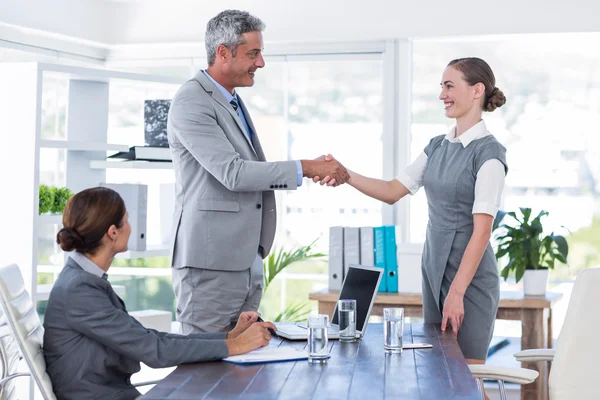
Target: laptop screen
{"type": "Point", "coordinates": [360, 284]}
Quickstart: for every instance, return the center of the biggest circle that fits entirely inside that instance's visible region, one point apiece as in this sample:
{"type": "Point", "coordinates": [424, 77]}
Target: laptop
{"type": "Point", "coordinates": [361, 284]}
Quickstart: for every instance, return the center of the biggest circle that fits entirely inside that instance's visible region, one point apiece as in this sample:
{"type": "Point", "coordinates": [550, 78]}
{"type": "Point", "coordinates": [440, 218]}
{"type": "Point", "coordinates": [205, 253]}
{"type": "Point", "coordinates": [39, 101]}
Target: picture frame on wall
{"type": "Point", "coordinates": [155, 122]}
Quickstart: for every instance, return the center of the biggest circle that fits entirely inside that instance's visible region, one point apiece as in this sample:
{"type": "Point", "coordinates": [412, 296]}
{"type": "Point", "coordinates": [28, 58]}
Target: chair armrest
{"type": "Point", "coordinates": [9, 377]}
{"type": "Point", "coordinates": [535, 355]}
{"type": "Point", "coordinates": [521, 376]}
{"type": "Point", "coordinates": [146, 383]}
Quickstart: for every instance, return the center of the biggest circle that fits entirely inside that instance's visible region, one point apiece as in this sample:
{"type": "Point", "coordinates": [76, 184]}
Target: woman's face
{"type": "Point", "coordinates": [122, 237]}
{"type": "Point", "coordinates": [458, 96]}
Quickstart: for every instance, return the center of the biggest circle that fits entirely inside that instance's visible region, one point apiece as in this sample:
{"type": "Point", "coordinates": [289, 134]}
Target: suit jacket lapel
{"type": "Point", "coordinates": [255, 142]}
{"type": "Point", "coordinates": [210, 88]}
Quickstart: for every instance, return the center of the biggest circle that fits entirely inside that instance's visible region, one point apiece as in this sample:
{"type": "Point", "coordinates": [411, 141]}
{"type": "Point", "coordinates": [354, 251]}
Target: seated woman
{"type": "Point", "coordinates": [92, 345]}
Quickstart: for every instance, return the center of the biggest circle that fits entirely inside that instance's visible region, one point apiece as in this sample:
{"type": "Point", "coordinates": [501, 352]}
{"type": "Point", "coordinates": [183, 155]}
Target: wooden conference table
{"type": "Point", "coordinates": [358, 370]}
{"type": "Point", "coordinates": [534, 312]}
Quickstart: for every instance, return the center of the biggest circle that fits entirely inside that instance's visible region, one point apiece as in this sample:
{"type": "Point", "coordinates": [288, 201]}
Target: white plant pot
{"type": "Point", "coordinates": [534, 282]}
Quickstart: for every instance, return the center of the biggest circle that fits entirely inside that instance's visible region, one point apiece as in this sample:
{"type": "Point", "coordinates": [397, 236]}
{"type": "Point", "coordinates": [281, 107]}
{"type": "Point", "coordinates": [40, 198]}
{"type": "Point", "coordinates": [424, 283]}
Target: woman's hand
{"type": "Point", "coordinates": [246, 319]}
{"type": "Point", "coordinates": [454, 311]}
{"type": "Point", "coordinates": [255, 337]}
{"type": "Point", "coordinates": [327, 180]}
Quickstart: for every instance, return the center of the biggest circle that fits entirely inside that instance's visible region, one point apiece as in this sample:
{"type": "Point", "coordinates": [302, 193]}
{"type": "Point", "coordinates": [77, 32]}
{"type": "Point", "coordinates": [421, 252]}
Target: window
{"type": "Point", "coordinates": [548, 125]}
{"type": "Point", "coordinates": [304, 109]}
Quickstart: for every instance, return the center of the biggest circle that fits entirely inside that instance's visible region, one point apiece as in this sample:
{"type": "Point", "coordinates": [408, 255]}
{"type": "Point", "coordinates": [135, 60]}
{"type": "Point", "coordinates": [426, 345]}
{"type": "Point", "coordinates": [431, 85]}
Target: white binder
{"type": "Point", "coordinates": [135, 197]}
{"type": "Point", "coordinates": [336, 257]}
{"type": "Point", "coordinates": [351, 247]}
{"type": "Point", "coordinates": [367, 246]}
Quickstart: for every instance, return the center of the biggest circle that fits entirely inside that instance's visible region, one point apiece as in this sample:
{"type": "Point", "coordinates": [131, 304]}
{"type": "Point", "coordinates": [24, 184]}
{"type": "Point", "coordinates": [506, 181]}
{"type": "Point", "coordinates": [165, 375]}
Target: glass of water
{"type": "Point", "coordinates": [347, 320]}
{"type": "Point", "coordinates": [318, 351]}
{"type": "Point", "coordinates": [393, 327]}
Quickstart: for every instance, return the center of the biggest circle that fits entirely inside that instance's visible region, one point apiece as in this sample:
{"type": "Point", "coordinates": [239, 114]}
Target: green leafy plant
{"type": "Point", "coordinates": [46, 199]}
{"type": "Point", "coordinates": [61, 196]}
{"type": "Point", "coordinates": [524, 243]}
{"type": "Point", "coordinates": [276, 262]}
{"type": "Point", "coordinates": [295, 311]}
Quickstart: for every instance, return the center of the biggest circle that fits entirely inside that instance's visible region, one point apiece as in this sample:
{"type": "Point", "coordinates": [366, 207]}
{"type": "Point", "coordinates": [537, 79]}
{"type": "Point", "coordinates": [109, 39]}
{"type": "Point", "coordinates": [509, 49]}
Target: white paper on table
{"type": "Point", "coordinates": [268, 354]}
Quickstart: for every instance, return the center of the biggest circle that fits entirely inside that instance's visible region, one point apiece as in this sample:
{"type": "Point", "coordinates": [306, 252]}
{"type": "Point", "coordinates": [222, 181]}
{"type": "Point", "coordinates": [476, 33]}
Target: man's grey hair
{"type": "Point", "coordinates": [227, 29]}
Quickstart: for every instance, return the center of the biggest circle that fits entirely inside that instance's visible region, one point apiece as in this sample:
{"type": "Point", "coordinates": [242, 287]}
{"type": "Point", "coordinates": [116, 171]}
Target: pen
{"type": "Point", "coordinates": [275, 335]}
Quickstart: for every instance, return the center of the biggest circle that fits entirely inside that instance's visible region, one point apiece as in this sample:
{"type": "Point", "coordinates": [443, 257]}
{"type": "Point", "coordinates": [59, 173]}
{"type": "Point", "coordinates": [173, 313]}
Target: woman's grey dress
{"type": "Point", "coordinates": [449, 182]}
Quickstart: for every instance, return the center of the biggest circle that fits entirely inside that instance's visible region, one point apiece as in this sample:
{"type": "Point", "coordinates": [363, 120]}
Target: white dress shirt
{"type": "Point", "coordinates": [229, 97]}
{"type": "Point", "coordinates": [490, 177]}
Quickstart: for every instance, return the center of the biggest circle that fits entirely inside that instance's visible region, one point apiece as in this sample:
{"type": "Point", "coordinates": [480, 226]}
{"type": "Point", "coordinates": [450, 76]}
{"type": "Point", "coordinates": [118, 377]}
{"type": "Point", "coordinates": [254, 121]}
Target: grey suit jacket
{"type": "Point", "coordinates": [92, 346]}
{"type": "Point", "coordinates": [225, 205]}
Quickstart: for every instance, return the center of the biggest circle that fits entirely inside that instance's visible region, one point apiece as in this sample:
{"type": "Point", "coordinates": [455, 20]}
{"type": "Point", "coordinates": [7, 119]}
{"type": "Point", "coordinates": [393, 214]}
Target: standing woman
{"type": "Point", "coordinates": [463, 175]}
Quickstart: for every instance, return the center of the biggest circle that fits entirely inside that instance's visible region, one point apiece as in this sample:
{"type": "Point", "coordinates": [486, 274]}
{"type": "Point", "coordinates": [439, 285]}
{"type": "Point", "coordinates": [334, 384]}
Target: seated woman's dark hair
{"type": "Point", "coordinates": [87, 217]}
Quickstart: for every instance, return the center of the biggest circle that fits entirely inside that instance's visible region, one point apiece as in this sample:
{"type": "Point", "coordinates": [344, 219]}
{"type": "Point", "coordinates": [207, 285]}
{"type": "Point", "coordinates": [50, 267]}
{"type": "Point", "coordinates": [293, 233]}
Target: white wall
{"type": "Point", "coordinates": [82, 19]}
{"type": "Point", "coordinates": [343, 20]}
{"type": "Point", "coordinates": [152, 21]}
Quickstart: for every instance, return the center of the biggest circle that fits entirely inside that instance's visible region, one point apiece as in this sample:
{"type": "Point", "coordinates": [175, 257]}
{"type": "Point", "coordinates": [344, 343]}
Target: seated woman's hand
{"type": "Point", "coordinates": [255, 337]}
{"type": "Point", "coordinates": [246, 319]}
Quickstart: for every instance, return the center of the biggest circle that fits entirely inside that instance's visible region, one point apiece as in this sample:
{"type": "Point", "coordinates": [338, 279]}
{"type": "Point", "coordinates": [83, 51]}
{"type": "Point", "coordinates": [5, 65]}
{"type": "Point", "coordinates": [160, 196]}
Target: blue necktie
{"type": "Point", "coordinates": [236, 106]}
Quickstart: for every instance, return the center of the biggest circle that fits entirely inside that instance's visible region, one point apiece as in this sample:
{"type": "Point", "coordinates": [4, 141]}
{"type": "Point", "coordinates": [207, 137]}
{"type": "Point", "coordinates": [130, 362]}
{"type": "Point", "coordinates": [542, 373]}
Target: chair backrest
{"type": "Point", "coordinates": [9, 359]}
{"type": "Point", "coordinates": [574, 369]}
{"type": "Point", "coordinates": [25, 326]}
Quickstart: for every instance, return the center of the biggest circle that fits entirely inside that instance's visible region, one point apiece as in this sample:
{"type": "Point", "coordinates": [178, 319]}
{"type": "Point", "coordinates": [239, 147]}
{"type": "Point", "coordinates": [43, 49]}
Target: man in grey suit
{"type": "Point", "coordinates": [225, 218]}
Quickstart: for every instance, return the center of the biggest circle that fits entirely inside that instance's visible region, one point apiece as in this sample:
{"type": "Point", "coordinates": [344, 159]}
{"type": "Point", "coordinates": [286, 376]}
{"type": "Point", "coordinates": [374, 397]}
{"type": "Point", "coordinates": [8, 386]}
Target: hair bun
{"type": "Point", "coordinates": [69, 239]}
{"type": "Point", "coordinates": [496, 99]}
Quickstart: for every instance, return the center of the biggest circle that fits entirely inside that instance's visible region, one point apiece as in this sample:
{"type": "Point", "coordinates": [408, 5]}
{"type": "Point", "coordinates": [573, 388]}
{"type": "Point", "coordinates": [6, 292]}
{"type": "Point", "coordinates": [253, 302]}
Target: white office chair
{"type": "Point", "coordinates": [24, 326]}
{"type": "Point", "coordinates": [9, 359]}
{"type": "Point", "coordinates": [22, 331]}
{"type": "Point", "coordinates": [520, 376]}
{"type": "Point", "coordinates": [575, 360]}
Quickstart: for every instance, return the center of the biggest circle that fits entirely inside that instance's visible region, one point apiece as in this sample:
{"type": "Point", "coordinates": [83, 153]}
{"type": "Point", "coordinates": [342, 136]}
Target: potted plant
{"type": "Point", "coordinates": [529, 251]}
{"type": "Point", "coordinates": [276, 262]}
{"type": "Point", "coordinates": [61, 196]}
{"type": "Point", "coordinates": [46, 199]}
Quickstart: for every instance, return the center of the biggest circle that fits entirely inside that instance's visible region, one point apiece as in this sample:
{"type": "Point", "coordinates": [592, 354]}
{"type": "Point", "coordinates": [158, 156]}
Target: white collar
{"type": "Point", "coordinates": [87, 265]}
{"type": "Point", "coordinates": [477, 131]}
{"type": "Point", "coordinates": [228, 96]}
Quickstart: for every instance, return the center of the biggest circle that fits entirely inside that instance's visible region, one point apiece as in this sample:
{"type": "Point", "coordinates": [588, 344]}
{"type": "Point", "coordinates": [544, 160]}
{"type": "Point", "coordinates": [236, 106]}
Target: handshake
{"type": "Point", "coordinates": [326, 170]}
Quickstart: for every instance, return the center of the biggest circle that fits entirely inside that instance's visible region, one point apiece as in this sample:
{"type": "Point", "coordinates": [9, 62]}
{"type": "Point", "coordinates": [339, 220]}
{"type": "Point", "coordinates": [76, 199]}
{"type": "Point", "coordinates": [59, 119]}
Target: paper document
{"type": "Point", "coordinates": [268, 354]}
{"type": "Point", "coordinates": [417, 345]}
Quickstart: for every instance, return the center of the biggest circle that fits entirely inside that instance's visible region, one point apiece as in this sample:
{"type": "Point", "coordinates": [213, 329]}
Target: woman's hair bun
{"type": "Point", "coordinates": [69, 239]}
{"type": "Point", "coordinates": [496, 99]}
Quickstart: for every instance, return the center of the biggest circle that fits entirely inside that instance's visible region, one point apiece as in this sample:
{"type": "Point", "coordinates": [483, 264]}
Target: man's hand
{"type": "Point", "coordinates": [328, 180]}
{"type": "Point", "coordinates": [327, 167]}
{"type": "Point", "coordinates": [246, 319]}
{"type": "Point", "coordinates": [255, 337]}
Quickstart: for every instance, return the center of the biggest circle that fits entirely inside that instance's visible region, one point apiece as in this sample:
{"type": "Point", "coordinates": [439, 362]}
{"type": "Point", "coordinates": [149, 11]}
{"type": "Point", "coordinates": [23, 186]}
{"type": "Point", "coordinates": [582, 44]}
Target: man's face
{"type": "Point", "coordinates": [248, 58]}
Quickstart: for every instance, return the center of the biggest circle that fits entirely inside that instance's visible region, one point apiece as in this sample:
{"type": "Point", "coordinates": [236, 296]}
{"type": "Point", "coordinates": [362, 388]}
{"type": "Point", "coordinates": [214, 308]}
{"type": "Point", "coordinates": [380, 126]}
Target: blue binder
{"type": "Point", "coordinates": [379, 239]}
{"type": "Point", "coordinates": [391, 262]}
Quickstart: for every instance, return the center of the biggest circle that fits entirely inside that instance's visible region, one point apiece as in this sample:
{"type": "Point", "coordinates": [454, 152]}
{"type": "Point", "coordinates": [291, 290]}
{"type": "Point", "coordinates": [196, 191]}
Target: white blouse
{"type": "Point", "coordinates": [490, 177]}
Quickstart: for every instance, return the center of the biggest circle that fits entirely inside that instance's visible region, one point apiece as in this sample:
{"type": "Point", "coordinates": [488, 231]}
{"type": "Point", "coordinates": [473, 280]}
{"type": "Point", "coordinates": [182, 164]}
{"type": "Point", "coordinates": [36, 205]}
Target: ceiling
{"type": "Point", "coordinates": [94, 27]}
